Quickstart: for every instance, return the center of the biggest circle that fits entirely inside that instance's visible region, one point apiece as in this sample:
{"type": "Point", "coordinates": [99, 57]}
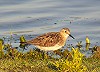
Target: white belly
{"type": "Point", "coordinates": [52, 48]}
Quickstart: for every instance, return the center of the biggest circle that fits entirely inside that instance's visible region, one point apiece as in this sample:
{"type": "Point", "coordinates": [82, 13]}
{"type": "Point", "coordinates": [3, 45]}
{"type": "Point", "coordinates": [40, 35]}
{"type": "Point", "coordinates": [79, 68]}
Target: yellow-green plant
{"type": "Point", "coordinates": [1, 44]}
{"type": "Point", "coordinates": [22, 42]}
{"type": "Point", "coordinates": [74, 65]}
{"type": "Point", "coordinates": [63, 54]}
{"type": "Point", "coordinates": [1, 48]}
{"type": "Point", "coordinates": [87, 43]}
{"type": "Point", "coordinates": [87, 46]}
{"type": "Point", "coordinates": [22, 39]}
{"type": "Point", "coordinates": [97, 69]}
{"type": "Point", "coordinates": [87, 40]}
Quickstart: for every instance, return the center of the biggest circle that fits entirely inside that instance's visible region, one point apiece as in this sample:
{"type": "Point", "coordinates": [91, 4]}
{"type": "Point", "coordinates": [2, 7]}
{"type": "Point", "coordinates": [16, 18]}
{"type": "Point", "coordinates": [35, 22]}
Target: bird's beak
{"type": "Point", "coordinates": [71, 36]}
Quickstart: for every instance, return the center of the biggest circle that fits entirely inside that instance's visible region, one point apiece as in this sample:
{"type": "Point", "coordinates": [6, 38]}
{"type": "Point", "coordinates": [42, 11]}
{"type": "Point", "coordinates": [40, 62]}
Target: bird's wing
{"type": "Point", "coordinates": [48, 39]}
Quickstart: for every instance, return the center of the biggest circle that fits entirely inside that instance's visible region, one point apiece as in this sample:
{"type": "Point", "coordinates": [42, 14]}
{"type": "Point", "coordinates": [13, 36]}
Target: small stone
{"type": "Point", "coordinates": [55, 23]}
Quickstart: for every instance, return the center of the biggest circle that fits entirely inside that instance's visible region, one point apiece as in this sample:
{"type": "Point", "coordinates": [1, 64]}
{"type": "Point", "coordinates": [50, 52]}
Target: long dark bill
{"type": "Point", "coordinates": [71, 36]}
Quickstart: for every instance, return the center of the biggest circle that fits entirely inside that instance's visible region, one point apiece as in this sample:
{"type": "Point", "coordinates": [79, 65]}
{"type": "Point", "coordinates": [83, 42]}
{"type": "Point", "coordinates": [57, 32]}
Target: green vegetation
{"type": "Point", "coordinates": [14, 61]}
{"type": "Point", "coordinates": [74, 65]}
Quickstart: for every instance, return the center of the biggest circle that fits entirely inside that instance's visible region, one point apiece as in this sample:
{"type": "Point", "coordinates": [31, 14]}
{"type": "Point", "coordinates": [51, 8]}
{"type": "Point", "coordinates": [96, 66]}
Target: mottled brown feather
{"type": "Point", "coordinates": [47, 39]}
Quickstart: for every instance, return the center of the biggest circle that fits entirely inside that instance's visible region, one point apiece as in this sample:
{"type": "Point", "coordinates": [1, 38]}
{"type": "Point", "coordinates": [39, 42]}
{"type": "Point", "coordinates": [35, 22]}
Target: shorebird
{"type": "Point", "coordinates": [51, 41]}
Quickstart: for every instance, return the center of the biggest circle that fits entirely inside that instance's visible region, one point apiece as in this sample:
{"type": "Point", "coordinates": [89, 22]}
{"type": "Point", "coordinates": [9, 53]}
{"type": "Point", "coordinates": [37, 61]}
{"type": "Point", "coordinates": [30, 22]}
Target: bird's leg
{"type": "Point", "coordinates": [44, 55]}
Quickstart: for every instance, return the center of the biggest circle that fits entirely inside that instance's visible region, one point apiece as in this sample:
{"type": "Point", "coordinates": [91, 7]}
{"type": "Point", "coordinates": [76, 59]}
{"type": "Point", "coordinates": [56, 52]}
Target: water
{"type": "Point", "coordinates": [40, 16]}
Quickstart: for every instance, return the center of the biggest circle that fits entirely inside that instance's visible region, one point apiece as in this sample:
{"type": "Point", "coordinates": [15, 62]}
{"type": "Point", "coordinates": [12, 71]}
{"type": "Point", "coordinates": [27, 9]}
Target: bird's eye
{"type": "Point", "coordinates": [65, 31]}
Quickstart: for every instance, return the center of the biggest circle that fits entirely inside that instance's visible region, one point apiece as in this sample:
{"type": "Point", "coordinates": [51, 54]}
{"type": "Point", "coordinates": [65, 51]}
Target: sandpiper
{"type": "Point", "coordinates": [51, 41]}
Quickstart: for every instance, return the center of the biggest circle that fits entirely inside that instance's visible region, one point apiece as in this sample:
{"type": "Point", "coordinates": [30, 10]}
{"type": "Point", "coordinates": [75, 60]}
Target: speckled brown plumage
{"type": "Point", "coordinates": [48, 39]}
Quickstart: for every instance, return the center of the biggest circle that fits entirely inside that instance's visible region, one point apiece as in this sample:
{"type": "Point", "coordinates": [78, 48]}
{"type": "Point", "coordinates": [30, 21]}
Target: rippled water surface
{"type": "Point", "coordinates": [40, 16]}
